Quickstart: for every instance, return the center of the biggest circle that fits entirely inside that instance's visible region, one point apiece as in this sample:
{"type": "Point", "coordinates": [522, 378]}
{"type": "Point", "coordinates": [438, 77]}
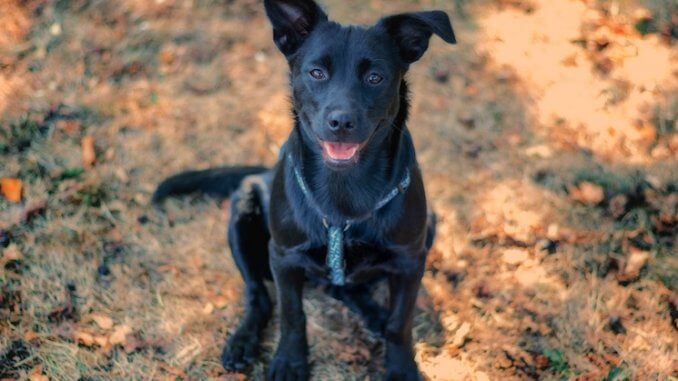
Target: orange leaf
{"type": "Point", "coordinates": [220, 301]}
{"type": "Point", "coordinates": [83, 338]}
{"type": "Point", "coordinates": [69, 126]}
{"type": "Point", "coordinates": [167, 57]}
{"type": "Point", "coordinates": [208, 309]}
{"type": "Point", "coordinates": [89, 156]}
{"type": "Point", "coordinates": [515, 256]}
{"type": "Point", "coordinates": [36, 375]}
{"type": "Point", "coordinates": [11, 189]}
{"type": "Point", "coordinates": [103, 321]}
{"type": "Point", "coordinates": [30, 335]}
{"type": "Point", "coordinates": [101, 341]}
{"type": "Point", "coordinates": [636, 261]}
{"type": "Point", "coordinates": [11, 253]}
{"type": "Point", "coordinates": [119, 335]}
{"type": "Point", "coordinates": [587, 193]}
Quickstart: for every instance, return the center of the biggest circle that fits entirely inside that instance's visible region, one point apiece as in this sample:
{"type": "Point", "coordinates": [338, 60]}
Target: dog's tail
{"type": "Point", "coordinates": [215, 182]}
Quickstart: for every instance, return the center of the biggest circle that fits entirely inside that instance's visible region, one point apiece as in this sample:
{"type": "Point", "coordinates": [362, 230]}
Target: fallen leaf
{"type": "Point", "coordinates": [636, 261]}
{"type": "Point", "coordinates": [119, 334]}
{"type": "Point", "coordinates": [167, 57]}
{"type": "Point", "coordinates": [103, 321]}
{"type": "Point", "coordinates": [11, 189]}
{"type": "Point", "coordinates": [618, 205]}
{"type": "Point", "coordinates": [639, 343]}
{"type": "Point", "coordinates": [450, 322]}
{"type": "Point", "coordinates": [471, 91]}
{"type": "Point", "coordinates": [82, 337]}
{"type": "Point", "coordinates": [553, 232]}
{"type": "Point", "coordinates": [542, 362]}
{"type": "Point", "coordinates": [515, 256]}
{"type": "Point", "coordinates": [220, 301]}
{"type": "Point", "coordinates": [587, 193]}
{"type": "Point", "coordinates": [641, 14]}
{"type": "Point", "coordinates": [445, 367]}
{"type": "Point", "coordinates": [101, 341]}
{"type": "Point", "coordinates": [644, 133]}
{"type": "Point", "coordinates": [36, 375]}
{"type": "Point", "coordinates": [30, 335]}
{"type": "Point", "coordinates": [11, 253]}
{"type": "Point", "coordinates": [55, 29]}
{"type": "Point", "coordinates": [208, 309]}
{"type": "Point", "coordinates": [89, 156]}
{"type": "Point", "coordinates": [502, 361]}
{"type": "Point", "coordinates": [461, 335]}
{"type": "Point", "coordinates": [69, 126]}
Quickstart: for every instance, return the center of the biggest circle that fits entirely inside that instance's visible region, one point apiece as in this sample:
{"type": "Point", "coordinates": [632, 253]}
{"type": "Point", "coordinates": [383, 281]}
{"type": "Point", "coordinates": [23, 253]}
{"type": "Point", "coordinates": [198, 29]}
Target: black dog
{"type": "Point", "coordinates": [345, 205]}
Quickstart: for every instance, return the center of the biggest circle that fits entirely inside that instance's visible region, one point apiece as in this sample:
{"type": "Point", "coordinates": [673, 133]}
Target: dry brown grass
{"type": "Point", "coordinates": [524, 281]}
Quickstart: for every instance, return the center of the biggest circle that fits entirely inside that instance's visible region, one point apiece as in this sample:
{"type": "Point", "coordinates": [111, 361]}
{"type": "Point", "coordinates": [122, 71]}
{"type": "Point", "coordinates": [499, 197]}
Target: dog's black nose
{"type": "Point", "coordinates": [340, 120]}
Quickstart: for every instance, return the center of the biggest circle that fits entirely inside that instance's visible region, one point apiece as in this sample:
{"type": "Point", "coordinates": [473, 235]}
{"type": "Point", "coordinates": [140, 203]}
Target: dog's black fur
{"type": "Point", "coordinates": [348, 85]}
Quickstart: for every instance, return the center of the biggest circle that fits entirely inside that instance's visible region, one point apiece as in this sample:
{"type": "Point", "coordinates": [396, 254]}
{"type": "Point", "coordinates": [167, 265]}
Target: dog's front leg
{"type": "Point", "coordinates": [400, 364]}
{"type": "Point", "coordinates": [290, 362]}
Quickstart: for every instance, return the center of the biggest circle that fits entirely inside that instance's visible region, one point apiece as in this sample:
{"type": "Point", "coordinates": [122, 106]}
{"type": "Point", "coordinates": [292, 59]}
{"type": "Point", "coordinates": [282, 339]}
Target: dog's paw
{"type": "Point", "coordinates": [402, 373]}
{"type": "Point", "coordinates": [240, 351]}
{"type": "Point", "coordinates": [286, 368]}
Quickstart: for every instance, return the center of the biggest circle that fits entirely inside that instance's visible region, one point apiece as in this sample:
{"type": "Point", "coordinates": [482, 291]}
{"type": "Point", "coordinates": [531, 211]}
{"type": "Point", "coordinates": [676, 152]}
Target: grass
{"type": "Point", "coordinates": [94, 247]}
{"type": "Point", "coordinates": [19, 135]}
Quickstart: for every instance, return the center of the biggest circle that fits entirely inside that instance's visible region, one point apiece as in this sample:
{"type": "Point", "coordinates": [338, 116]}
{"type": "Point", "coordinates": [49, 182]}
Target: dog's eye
{"type": "Point", "coordinates": [318, 74]}
{"type": "Point", "coordinates": [374, 79]}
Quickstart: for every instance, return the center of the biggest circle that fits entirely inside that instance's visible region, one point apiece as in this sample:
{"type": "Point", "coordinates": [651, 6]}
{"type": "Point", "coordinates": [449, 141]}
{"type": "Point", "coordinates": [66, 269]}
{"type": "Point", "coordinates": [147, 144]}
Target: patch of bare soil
{"type": "Point", "coordinates": [547, 137]}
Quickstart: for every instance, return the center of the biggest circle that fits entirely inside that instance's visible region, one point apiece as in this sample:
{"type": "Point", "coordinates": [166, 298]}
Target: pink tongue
{"type": "Point", "coordinates": [340, 151]}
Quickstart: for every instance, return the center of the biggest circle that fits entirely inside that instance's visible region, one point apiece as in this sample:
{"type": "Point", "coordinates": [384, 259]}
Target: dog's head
{"type": "Point", "coordinates": [346, 79]}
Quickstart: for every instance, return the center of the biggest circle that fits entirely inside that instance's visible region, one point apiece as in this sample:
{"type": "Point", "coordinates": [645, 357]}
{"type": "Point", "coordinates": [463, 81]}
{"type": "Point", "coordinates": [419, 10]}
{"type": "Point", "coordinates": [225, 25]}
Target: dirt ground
{"type": "Point", "coordinates": [548, 139]}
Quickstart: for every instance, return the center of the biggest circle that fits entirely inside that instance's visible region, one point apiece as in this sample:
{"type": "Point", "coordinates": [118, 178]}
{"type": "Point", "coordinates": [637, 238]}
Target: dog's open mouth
{"type": "Point", "coordinates": [340, 152]}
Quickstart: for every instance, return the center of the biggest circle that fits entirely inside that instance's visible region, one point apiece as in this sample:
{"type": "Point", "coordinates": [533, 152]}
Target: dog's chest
{"type": "Point", "coordinates": [362, 262]}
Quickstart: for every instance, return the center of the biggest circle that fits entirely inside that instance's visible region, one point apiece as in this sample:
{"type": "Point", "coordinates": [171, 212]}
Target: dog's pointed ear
{"type": "Point", "coordinates": [412, 31]}
{"type": "Point", "coordinates": [293, 21]}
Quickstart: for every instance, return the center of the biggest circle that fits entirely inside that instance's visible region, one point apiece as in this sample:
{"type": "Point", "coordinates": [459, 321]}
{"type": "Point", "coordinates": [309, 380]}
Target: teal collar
{"type": "Point", "coordinates": [335, 234]}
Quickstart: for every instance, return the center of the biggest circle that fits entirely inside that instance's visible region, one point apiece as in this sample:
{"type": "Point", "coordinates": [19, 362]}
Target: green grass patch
{"type": "Point", "coordinates": [71, 173]}
{"type": "Point", "coordinates": [617, 374]}
{"type": "Point", "coordinates": [557, 362]}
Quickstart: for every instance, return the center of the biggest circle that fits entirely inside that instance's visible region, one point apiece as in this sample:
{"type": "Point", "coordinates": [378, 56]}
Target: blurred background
{"type": "Point", "coordinates": [549, 147]}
